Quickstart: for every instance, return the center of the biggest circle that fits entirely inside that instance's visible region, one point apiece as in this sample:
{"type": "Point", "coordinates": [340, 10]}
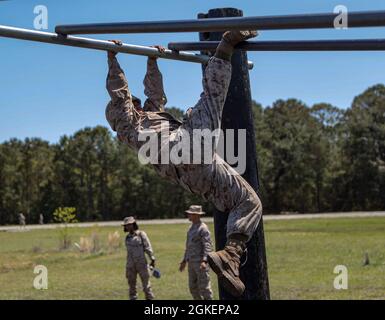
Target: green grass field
{"type": "Point", "coordinates": [301, 255]}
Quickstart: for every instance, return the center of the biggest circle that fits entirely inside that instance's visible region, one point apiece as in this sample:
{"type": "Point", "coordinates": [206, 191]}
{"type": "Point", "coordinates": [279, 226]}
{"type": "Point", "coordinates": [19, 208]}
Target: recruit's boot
{"type": "Point", "coordinates": [226, 264]}
{"type": "Point", "coordinates": [235, 36]}
{"type": "Point", "coordinates": [230, 39]}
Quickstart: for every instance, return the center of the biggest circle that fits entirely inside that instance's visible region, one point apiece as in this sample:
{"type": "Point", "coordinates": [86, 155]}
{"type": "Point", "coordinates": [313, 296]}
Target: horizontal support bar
{"type": "Point", "coordinates": [290, 45]}
{"type": "Point", "coordinates": [47, 37]}
{"type": "Point", "coordinates": [299, 21]}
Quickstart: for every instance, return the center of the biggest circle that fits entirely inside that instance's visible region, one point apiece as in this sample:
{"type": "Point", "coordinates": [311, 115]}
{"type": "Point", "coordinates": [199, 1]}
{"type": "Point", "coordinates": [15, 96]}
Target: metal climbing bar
{"type": "Point", "coordinates": [47, 37]}
{"type": "Point", "coordinates": [298, 21]}
{"type": "Point", "coordinates": [290, 45]}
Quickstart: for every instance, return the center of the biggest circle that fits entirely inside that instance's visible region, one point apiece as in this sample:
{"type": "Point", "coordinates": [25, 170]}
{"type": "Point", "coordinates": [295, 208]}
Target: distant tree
{"type": "Point", "coordinates": [364, 151]}
{"type": "Point", "coordinates": [292, 156]}
{"type": "Point", "coordinates": [310, 159]}
{"type": "Point", "coordinates": [328, 165]}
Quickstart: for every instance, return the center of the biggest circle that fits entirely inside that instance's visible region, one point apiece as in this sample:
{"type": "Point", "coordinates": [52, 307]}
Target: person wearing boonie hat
{"type": "Point", "coordinates": [198, 246]}
{"type": "Point", "coordinates": [138, 244]}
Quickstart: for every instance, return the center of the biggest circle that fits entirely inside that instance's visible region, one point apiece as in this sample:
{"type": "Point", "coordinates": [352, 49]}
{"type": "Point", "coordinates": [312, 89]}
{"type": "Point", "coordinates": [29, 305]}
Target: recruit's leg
{"type": "Point", "coordinates": [131, 275]}
{"type": "Point", "coordinates": [204, 283]}
{"type": "Point", "coordinates": [229, 188]}
{"type": "Point", "coordinates": [193, 280]}
{"type": "Point", "coordinates": [207, 113]}
{"type": "Point", "coordinates": [219, 183]}
{"type": "Point", "coordinates": [231, 193]}
{"type": "Point", "coordinates": [145, 278]}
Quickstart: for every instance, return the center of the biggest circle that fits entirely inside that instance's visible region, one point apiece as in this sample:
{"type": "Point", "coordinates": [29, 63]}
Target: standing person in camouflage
{"type": "Point", "coordinates": [137, 244]}
{"type": "Point", "coordinates": [21, 221]}
{"type": "Point", "coordinates": [198, 246]}
{"type": "Point", "coordinates": [41, 219]}
{"type": "Point", "coordinates": [217, 181]}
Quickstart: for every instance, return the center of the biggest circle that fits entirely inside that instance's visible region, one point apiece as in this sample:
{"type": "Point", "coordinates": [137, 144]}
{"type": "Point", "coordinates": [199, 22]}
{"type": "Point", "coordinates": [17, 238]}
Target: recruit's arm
{"type": "Point", "coordinates": [206, 243]}
{"type": "Point", "coordinates": [120, 110]}
{"type": "Point", "coordinates": [148, 248]}
{"type": "Point", "coordinates": [153, 85]}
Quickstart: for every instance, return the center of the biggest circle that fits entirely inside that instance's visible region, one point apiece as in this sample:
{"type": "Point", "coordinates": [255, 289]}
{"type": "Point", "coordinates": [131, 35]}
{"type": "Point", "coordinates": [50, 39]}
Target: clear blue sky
{"type": "Point", "coordinates": [47, 91]}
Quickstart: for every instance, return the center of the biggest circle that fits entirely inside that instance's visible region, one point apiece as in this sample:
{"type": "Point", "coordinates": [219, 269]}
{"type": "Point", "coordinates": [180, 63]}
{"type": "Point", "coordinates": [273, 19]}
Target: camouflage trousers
{"type": "Point", "coordinates": [199, 281]}
{"type": "Point", "coordinates": [216, 182]}
{"type": "Point", "coordinates": [132, 273]}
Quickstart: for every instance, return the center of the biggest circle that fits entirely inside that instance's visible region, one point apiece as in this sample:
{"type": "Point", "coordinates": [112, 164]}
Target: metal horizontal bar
{"type": "Point", "coordinates": [290, 45]}
{"type": "Point", "coordinates": [47, 37]}
{"type": "Point", "coordinates": [299, 21]}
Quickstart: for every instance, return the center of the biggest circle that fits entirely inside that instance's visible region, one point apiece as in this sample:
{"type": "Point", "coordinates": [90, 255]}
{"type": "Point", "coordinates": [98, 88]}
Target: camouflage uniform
{"type": "Point", "coordinates": [198, 245]}
{"type": "Point", "coordinates": [216, 182]}
{"type": "Point", "coordinates": [137, 245]}
{"type": "Point", "coordinates": [21, 220]}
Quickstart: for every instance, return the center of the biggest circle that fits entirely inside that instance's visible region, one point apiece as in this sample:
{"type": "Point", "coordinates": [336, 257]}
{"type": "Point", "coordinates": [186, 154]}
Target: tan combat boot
{"type": "Point", "coordinates": [229, 40]}
{"type": "Point", "coordinates": [235, 36]}
{"type": "Point", "coordinates": [226, 263]}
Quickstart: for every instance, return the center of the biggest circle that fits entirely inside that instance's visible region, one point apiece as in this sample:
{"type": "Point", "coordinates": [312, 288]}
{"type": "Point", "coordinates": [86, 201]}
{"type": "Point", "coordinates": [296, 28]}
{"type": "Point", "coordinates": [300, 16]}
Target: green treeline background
{"type": "Point", "coordinates": [310, 158]}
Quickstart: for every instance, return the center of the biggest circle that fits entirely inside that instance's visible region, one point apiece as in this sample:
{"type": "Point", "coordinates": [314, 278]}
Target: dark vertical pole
{"type": "Point", "coordinates": [237, 114]}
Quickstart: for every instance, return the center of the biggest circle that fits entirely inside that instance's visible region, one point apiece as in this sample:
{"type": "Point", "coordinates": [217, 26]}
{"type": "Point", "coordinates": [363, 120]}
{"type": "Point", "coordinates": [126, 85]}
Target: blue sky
{"type": "Point", "coordinates": [47, 91]}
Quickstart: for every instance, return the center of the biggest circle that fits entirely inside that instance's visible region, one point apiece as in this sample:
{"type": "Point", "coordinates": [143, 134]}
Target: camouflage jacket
{"type": "Point", "coordinates": [137, 245]}
{"type": "Point", "coordinates": [198, 243]}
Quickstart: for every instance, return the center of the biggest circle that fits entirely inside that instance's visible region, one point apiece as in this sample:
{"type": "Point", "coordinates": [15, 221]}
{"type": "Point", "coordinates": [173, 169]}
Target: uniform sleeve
{"type": "Point", "coordinates": [185, 250]}
{"type": "Point", "coordinates": [184, 257]}
{"type": "Point", "coordinates": [119, 111]}
{"type": "Point", "coordinates": [127, 256]}
{"type": "Point", "coordinates": [117, 85]}
{"type": "Point", "coordinates": [153, 87]}
{"type": "Point", "coordinates": [147, 246]}
{"type": "Point", "coordinates": [206, 242]}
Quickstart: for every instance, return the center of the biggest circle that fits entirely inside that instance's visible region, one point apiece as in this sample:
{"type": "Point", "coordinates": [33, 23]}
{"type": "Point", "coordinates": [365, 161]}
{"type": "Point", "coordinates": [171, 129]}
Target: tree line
{"type": "Point", "coordinates": [310, 159]}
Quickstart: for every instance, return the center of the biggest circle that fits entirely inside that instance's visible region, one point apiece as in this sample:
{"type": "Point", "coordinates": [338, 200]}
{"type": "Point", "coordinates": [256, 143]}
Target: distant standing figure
{"type": "Point", "coordinates": [41, 219]}
{"type": "Point", "coordinates": [198, 246]}
{"type": "Point", "coordinates": [137, 244]}
{"type": "Point", "coordinates": [21, 220]}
